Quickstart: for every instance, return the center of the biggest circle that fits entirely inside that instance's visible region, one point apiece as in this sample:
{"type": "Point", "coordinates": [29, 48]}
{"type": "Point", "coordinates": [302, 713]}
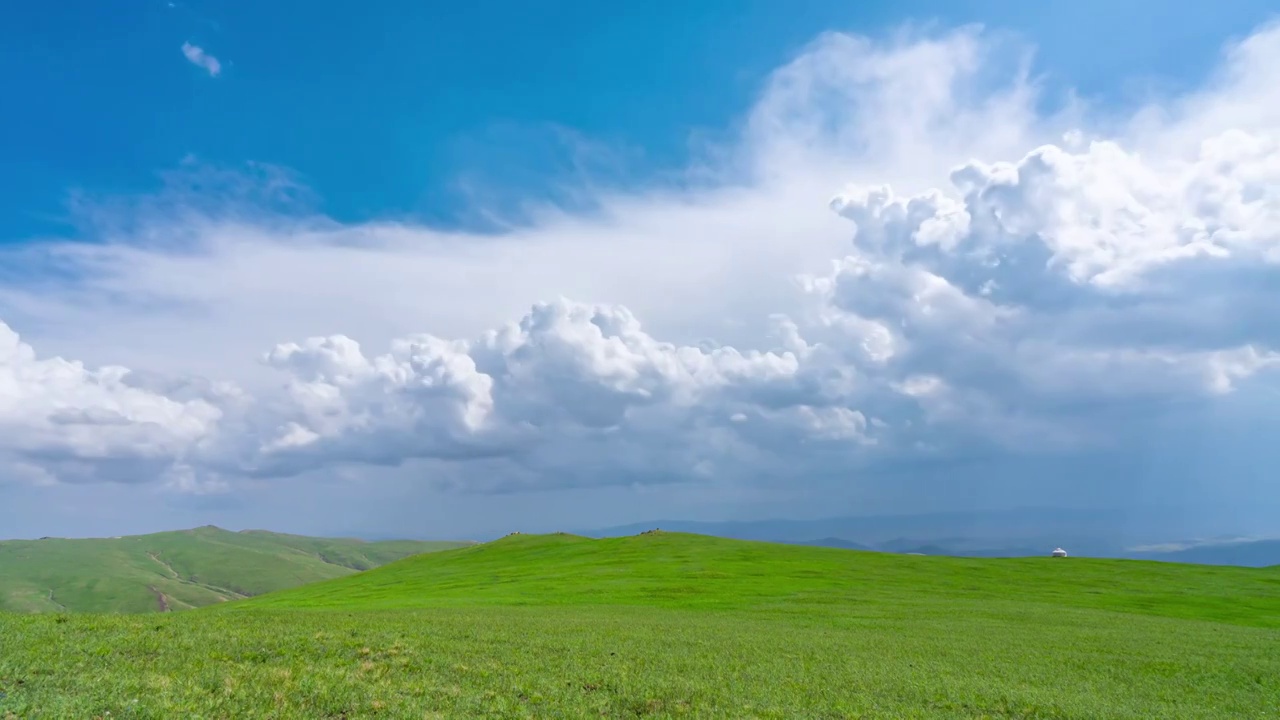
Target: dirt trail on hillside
{"type": "Point", "coordinates": [162, 600]}
{"type": "Point", "coordinates": [223, 593]}
{"type": "Point", "coordinates": [168, 568]}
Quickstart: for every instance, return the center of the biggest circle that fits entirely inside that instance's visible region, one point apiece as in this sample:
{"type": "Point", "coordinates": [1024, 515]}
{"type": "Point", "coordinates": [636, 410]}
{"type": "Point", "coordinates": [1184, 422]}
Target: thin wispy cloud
{"type": "Point", "coordinates": [202, 59]}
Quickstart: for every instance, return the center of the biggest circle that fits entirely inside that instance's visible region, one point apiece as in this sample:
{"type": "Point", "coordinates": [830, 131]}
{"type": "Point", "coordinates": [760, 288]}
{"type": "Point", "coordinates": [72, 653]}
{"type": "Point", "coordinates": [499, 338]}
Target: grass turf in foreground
{"type": "Point", "coordinates": [806, 642]}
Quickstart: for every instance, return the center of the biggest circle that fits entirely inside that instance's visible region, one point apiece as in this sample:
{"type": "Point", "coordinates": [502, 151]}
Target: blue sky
{"type": "Point", "coordinates": [438, 270]}
{"type": "Point", "coordinates": [387, 111]}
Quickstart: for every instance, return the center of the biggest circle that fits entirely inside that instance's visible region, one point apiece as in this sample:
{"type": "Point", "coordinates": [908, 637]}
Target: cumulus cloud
{"type": "Point", "coordinates": [567, 380]}
{"type": "Point", "coordinates": [991, 280]}
{"type": "Point", "coordinates": [62, 421]}
{"type": "Point", "coordinates": [1067, 277]}
{"type": "Point", "coordinates": [197, 56]}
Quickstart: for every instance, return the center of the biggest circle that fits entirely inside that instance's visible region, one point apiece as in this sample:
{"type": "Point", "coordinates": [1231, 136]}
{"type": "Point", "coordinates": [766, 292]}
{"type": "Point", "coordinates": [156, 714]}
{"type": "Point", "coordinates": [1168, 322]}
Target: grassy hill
{"type": "Point", "coordinates": [692, 571]}
{"type": "Point", "coordinates": [671, 625]}
{"type": "Point", "coordinates": [178, 570]}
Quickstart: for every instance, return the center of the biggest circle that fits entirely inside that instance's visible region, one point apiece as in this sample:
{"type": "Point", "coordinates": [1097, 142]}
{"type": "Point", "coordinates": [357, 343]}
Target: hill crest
{"type": "Point", "coordinates": [697, 571]}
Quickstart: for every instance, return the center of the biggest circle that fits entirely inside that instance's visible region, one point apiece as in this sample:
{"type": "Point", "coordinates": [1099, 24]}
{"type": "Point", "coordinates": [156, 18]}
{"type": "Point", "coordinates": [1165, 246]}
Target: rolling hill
{"type": "Point", "coordinates": [679, 570]}
{"type": "Point", "coordinates": [674, 625]}
{"type": "Point", "coordinates": [178, 570]}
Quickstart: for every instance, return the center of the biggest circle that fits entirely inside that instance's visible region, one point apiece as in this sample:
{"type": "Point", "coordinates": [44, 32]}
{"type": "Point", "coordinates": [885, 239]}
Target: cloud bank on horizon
{"type": "Point", "coordinates": [988, 280]}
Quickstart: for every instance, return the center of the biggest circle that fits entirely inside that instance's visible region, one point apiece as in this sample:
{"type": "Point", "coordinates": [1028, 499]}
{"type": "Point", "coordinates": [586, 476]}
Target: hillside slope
{"type": "Point", "coordinates": [693, 571]}
{"type": "Point", "coordinates": [669, 625]}
{"type": "Point", "coordinates": [178, 570]}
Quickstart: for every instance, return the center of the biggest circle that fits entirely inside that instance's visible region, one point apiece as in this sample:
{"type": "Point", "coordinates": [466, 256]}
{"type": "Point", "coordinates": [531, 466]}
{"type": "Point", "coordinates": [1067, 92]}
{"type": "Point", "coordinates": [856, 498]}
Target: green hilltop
{"type": "Point", "coordinates": [666, 625]}
{"type": "Point", "coordinates": [178, 570]}
{"type": "Point", "coordinates": [680, 570]}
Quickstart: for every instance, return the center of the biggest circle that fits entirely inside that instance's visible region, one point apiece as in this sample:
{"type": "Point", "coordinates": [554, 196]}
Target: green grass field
{"type": "Point", "coordinates": [178, 570]}
{"type": "Point", "coordinates": [671, 625]}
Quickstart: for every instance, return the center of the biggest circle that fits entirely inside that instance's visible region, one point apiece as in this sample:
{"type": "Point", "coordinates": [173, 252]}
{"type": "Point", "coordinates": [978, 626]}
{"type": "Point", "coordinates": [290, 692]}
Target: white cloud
{"type": "Point", "coordinates": [61, 420]}
{"type": "Point", "coordinates": [1017, 283]}
{"type": "Point", "coordinates": [979, 283]}
{"type": "Point", "coordinates": [566, 380]}
{"type": "Point", "coordinates": [201, 59]}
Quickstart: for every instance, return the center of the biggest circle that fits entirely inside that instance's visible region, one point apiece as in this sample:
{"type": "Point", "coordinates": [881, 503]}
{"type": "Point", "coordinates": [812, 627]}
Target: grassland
{"type": "Point", "coordinates": [177, 570]}
{"type": "Point", "coordinates": [670, 625]}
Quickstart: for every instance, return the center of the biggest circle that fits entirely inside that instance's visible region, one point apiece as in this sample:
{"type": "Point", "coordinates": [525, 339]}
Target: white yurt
{"type": "Point", "coordinates": [1059, 552]}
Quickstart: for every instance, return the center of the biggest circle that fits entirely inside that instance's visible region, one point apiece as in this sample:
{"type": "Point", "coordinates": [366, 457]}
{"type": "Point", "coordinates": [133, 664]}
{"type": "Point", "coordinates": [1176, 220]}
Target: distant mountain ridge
{"type": "Point", "coordinates": [1006, 533]}
{"type": "Point", "coordinates": [1249, 553]}
{"type": "Point", "coordinates": [179, 569]}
